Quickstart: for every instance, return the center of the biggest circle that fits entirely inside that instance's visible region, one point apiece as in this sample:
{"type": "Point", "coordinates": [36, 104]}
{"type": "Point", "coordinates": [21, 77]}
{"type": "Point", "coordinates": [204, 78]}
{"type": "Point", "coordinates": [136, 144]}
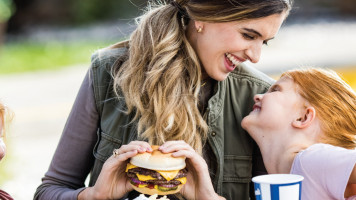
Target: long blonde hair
{"type": "Point", "coordinates": [161, 78]}
{"type": "Point", "coordinates": [334, 102]}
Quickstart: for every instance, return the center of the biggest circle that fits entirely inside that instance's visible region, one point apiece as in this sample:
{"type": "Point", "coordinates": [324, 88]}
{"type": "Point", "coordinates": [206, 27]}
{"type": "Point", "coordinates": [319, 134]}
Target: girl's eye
{"type": "Point", "coordinates": [265, 43]}
{"type": "Point", "coordinates": [247, 36]}
{"type": "Point", "coordinates": [273, 89]}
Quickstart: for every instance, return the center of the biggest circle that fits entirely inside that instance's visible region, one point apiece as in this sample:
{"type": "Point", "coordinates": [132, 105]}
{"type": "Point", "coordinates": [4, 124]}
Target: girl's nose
{"type": "Point", "coordinates": [257, 97]}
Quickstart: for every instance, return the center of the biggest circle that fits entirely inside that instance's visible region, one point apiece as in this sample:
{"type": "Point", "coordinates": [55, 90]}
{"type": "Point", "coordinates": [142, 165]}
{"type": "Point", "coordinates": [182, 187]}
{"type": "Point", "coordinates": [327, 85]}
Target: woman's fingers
{"type": "Point", "coordinates": [196, 161]}
{"type": "Point", "coordinates": [143, 144]}
{"type": "Point", "coordinates": [126, 155]}
{"type": "Point", "coordinates": [184, 153]}
{"type": "Point", "coordinates": [198, 184]}
{"type": "Point", "coordinates": [182, 149]}
{"type": "Point", "coordinates": [114, 162]}
{"type": "Point", "coordinates": [127, 151]}
{"type": "Point", "coordinates": [172, 146]}
{"type": "Point", "coordinates": [140, 146]}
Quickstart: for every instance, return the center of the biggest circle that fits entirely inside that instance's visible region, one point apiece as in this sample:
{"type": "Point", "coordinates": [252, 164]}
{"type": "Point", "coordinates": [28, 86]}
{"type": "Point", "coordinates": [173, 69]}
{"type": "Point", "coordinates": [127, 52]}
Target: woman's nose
{"type": "Point", "coordinates": [254, 52]}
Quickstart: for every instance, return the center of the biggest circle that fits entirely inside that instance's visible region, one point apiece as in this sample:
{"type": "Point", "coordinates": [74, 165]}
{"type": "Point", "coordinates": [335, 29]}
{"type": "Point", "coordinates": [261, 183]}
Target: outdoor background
{"type": "Point", "coordinates": [45, 49]}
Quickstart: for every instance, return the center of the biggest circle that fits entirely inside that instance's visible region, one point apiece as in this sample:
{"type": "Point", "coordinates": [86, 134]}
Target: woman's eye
{"type": "Point", "coordinates": [247, 36]}
{"type": "Point", "coordinates": [265, 43]}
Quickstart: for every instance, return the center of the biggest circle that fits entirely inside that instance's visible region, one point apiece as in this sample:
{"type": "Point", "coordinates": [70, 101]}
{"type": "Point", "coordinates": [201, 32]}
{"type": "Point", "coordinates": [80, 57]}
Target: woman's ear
{"type": "Point", "coordinates": [199, 26]}
{"type": "Point", "coordinates": [307, 117]}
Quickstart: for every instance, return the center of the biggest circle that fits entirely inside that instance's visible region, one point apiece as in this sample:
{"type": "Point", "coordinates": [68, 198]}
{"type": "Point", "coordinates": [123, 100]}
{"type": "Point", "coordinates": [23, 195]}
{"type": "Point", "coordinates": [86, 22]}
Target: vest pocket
{"type": "Point", "coordinates": [105, 146]}
{"type": "Point", "coordinates": [237, 176]}
{"type": "Point", "coordinates": [237, 168]}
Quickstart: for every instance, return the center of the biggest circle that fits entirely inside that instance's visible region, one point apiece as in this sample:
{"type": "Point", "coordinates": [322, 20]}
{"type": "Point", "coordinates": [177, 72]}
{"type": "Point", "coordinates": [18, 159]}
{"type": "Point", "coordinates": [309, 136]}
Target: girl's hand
{"type": "Point", "coordinates": [113, 182]}
{"type": "Point", "coordinates": [199, 185]}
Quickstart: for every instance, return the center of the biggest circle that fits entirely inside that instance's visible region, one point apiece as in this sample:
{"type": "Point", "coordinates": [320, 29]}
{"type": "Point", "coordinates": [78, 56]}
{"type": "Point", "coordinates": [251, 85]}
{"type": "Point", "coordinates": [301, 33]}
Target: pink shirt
{"type": "Point", "coordinates": [326, 170]}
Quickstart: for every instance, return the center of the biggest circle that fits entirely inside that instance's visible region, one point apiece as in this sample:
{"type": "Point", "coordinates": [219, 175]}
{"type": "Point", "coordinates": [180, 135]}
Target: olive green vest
{"type": "Point", "coordinates": [233, 147]}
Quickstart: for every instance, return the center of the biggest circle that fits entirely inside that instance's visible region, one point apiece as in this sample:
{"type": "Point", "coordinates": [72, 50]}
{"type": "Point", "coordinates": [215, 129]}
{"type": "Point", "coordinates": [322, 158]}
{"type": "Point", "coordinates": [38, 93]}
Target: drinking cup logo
{"type": "Point", "coordinates": [258, 192]}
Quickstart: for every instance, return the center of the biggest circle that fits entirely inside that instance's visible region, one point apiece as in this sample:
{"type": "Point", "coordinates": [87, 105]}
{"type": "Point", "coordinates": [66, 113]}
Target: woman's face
{"type": "Point", "coordinates": [222, 46]}
{"type": "Point", "coordinates": [275, 110]}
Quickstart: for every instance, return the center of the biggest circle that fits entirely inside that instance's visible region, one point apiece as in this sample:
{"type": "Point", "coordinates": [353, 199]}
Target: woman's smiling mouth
{"type": "Point", "coordinates": [232, 61]}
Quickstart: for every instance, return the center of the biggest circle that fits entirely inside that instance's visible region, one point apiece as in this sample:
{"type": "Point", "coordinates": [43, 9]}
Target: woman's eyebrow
{"type": "Point", "coordinates": [256, 32]}
{"type": "Point", "coordinates": [253, 31]}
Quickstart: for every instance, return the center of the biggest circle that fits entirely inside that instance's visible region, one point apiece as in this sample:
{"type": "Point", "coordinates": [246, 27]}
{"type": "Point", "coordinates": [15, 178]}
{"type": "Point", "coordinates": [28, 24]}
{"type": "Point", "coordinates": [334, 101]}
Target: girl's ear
{"type": "Point", "coordinates": [307, 117]}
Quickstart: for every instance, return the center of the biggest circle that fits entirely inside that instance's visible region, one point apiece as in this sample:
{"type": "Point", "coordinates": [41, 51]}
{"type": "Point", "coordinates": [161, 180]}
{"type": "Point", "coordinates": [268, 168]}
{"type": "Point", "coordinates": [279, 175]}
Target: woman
{"type": "Point", "coordinates": [180, 77]}
{"type": "Point", "coordinates": [305, 124]}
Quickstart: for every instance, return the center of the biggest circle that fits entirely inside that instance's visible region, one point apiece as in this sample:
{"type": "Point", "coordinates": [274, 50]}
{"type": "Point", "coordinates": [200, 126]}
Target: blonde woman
{"type": "Point", "coordinates": [4, 114]}
{"type": "Point", "coordinates": [179, 78]}
{"type": "Point", "coordinates": [306, 124]}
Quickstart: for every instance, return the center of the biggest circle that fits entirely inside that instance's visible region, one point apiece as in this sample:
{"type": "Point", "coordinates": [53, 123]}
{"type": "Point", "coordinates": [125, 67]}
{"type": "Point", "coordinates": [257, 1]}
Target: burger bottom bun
{"type": "Point", "coordinates": [146, 190]}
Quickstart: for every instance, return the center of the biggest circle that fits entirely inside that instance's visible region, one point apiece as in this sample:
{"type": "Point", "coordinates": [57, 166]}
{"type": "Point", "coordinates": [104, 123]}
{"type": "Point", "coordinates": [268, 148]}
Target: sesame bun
{"type": "Point", "coordinates": [153, 191]}
{"type": "Point", "coordinates": [156, 160]}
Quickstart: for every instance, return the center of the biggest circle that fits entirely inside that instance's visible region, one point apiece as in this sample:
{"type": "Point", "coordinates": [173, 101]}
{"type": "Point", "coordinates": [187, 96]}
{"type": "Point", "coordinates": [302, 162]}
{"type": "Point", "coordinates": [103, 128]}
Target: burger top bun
{"type": "Point", "coordinates": [156, 160]}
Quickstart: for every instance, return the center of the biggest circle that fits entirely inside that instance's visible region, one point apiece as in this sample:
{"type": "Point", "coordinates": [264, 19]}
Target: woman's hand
{"type": "Point", "coordinates": [113, 182]}
{"type": "Point", "coordinates": [199, 185]}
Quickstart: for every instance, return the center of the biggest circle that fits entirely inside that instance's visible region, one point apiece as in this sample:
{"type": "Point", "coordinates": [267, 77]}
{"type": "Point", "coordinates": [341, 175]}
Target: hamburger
{"type": "Point", "coordinates": [156, 172]}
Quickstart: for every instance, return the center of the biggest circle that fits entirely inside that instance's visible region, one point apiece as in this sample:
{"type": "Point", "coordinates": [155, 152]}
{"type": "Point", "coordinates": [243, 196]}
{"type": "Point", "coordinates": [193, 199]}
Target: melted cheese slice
{"type": "Point", "coordinates": [144, 177]}
{"type": "Point", "coordinates": [169, 175]}
{"type": "Point", "coordinates": [130, 166]}
{"type": "Point", "coordinates": [183, 180]}
{"type": "Point", "coordinates": [141, 186]}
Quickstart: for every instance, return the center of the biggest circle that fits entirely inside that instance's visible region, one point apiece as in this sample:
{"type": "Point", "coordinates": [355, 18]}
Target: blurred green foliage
{"type": "Point", "coordinates": [96, 10]}
{"type": "Point", "coordinates": [30, 56]}
{"type": "Point", "coordinates": [6, 10]}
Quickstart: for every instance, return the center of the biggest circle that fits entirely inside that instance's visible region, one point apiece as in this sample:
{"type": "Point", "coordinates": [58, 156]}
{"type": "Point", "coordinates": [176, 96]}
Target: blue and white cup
{"type": "Point", "coordinates": [278, 187]}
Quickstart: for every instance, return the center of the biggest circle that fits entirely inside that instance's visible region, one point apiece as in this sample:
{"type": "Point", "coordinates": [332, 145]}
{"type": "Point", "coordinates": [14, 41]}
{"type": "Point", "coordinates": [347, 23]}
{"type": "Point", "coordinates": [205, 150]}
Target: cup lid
{"type": "Point", "coordinates": [278, 178]}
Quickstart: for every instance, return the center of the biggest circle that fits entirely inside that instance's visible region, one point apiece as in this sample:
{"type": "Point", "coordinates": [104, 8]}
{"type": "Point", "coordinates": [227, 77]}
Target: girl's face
{"type": "Point", "coordinates": [222, 46]}
{"type": "Point", "coordinates": [276, 109]}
